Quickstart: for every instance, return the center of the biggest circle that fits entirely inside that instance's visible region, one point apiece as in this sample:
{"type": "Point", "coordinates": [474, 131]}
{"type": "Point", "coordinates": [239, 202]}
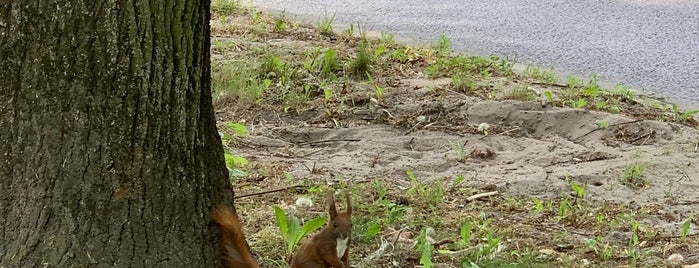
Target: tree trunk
{"type": "Point", "coordinates": [109, 154]}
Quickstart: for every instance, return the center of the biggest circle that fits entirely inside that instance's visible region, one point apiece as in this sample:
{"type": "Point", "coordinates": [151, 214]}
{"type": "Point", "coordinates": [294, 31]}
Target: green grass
{"type": "Point", "coordinates": [225, 7]}
{"type": "Point", "coordinates": [325, 25]}
{"type": "Point", "coordinates": [545, 75]}
{"type": "Point", "coordinates": [521, 93]}
{"type": "Point", "coordinates": [634, 175]}
{"type": "Point", "coordinates": [361, 65]}
{"type": "Point", "coordinates": [239, 81]}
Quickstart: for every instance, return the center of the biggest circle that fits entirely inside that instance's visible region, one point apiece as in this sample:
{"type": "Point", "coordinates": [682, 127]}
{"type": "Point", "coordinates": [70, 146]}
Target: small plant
{"type": "Point", "coordinates": [465, 231]}
{"type": "Point", "coordinates": [538, 205]}
{"type": "Point", "coordinates": [349, 32]}
{"type": "Point", "coordinates": [328, 64]}
{"type": "Point", "coordinates": [325, 25]}
{"type": "Point", "coordinates": [549, 96]}
{"type": "Point", "coordinates": [624, 92]}
{"type": "Point", "coordinates": [256, 15]}
{"type": "Point", "coordinates": [602, 124]}
{"type": "Point", "coordinates": [460, 151]}
{"type": "Point", "coordinates": [463, 83]}
{"type": "Point", "coordinates": [443, 45]}
{"type": "Point", "coordinates": [633, 175]}
{"type": "Point", "coordinates": [425, 249]}
{"type": "Point", "coordinates": [273, 66]}
{"type": "Point", "coordinates": [280, 24]}
{"type": "Point", "coordinates": [682, 116]}
{"type": "Point", "coordinates": [684, 230]}
{"type": "Point", "coordinates": [521, 93]}
{"type": "Point", "coordinates": [581, 103]}
{"type": "Point", "coordinates": [388, 39]}
{"type": "Point", "coordinates": [361, 65]}
{"type": "Point", "coordinates": [225, 6]}
{"type": "Point", "coordinates": [547, 75]}
{"type": "Point", "coordinates": [578, 188]}
{"type": "Point", "coordinates": [292, 231]}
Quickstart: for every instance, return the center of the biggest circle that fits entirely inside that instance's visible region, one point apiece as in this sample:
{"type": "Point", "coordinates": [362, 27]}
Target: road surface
{"type": "Point", "coordinates": [651, 45]}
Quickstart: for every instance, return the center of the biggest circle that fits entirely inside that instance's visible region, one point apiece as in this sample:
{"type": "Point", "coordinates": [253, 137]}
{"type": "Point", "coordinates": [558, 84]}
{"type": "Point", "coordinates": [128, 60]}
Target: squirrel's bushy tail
{"type": "Point", "coordinates": [236, 252]}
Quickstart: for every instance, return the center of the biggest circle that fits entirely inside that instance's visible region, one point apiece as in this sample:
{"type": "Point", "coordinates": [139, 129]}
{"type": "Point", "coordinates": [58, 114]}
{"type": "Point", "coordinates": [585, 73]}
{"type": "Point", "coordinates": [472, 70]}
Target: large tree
{"type": "Point", "coordinates": [109, 154]}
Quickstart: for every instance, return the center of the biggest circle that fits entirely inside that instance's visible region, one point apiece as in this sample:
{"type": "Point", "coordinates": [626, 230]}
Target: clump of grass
{"type": "Point", "coordinates": [546, 75]}
{"type": "Point", "coordinates": [280, 24]}
{"type": "Point", "coordinates": [325, 25]}
{"type": "Point", "coordinates": [522, 93]}
{"type": "Point", "coordinates": [463, 83]}
{"type": "Point", "coordinates": [225, 7]}
{"type": "Point", "coordinates": [634, 175]}
{"type": "Point", "coordinates": [443, 45]}
{"type": "Point", "coordinates": [328, 63]}
{"type": "Point", "coordinates": [361, 65]}
{"type": "Point", "coordinates": [238, 81]}
{"type": "Point", "coordinates": [473, 65]}
{"type": "Point", "coordinates": [273, 66]}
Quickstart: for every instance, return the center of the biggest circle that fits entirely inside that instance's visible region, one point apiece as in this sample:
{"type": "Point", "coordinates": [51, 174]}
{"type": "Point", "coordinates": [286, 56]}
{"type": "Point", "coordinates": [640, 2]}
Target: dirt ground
{"type": "Point", "coordinates": [465, 144]}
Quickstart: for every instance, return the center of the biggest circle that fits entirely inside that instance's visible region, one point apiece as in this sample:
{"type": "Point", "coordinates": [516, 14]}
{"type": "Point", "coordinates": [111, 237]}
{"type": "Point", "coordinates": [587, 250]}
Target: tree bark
{"type": "Point", "coordinates": [109, 154]}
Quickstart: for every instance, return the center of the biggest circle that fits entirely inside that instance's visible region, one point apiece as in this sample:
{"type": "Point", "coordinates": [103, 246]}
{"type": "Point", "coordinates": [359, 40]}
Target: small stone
{"type": "Point", "coordinates": [675, 258]}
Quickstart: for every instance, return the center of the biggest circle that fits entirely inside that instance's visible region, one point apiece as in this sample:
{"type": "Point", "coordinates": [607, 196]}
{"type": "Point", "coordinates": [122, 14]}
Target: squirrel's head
{"type": "Point", "coordinates": [340, 224]}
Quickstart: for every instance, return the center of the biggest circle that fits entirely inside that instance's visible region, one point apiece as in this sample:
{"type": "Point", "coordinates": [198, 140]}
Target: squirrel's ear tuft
{"type": "Point", "coordinates": [349, 202]}
{"type": "Point", "coordinates": [331, 206]}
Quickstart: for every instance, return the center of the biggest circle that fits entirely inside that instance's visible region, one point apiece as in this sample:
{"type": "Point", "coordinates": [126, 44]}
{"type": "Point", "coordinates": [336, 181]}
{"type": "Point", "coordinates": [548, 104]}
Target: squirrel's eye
{"type": "Point", "coordinates": [335, 225]}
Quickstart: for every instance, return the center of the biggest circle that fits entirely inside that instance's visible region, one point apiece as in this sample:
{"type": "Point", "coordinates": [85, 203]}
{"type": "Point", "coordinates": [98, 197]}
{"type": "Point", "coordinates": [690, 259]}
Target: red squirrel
{"type": "Point", "coordinates": [235, 248]}
{"type": "Point", "coordinates": [330, 247]}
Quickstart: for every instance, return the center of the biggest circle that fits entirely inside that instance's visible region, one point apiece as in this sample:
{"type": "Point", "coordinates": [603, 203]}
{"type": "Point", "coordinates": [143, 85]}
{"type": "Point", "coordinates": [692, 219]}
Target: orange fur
{"type": "Point", "coordinates": [321, 250]}
{"type": "Point", "coordinates": [236, 253]}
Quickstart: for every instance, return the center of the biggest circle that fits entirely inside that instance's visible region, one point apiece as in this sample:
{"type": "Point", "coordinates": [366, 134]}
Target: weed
{"type": "Point", "coordinates": [361, 65]}
{"type": "Point", "coordinates": [292, 231]}
{"type": "Point", "coordinates": [522, 93]}
{"type": "Point", "coordinates": [388, 39]}
{"type": "Point", "coordinates": [425, 249]}
{"type": "Point", "coordinates": [549, 96]}
{"type": "Point", "coordinates": [443, 45]}
{"type": "Point", "coordinates": [325, 25]}
{"type": "Point", "coordinates": [538, 205]}
{"type": "Point", "coordinates": [280, 24]}
{"type": "Point", "coordinates": [349, 32]}
{"type": "Point", "coordinates": [238, 81]}
{"type": "Point", "coordinates": [463, 83]}
{"type": "Point", "coordinates": [311, 62]}
{"type": "Point", "coordinates": [225, 7]}
{"type": "Point", "coordinates": [460, 151]}
{"type": "Point", "coordinates": [602, 124]}
{"type": "Point", "coordinates": [546, 75]}
{"type": "Point", "coordinates": [273, 66]}
{"type": "Point", "coordinates": [328, 64]}
{"type": "Point", "coordinates": [684, 230]}
{"type": "Point", "coordinates": [682, 116]}
{"type": "Point", "coordinates": [624, 92]}
{"type": "Point", "coordinates": [474, 65]}
{"type": "Point", "coordinates": [256, 15]}
{"type": "Point", "coordinates": [633, 175]}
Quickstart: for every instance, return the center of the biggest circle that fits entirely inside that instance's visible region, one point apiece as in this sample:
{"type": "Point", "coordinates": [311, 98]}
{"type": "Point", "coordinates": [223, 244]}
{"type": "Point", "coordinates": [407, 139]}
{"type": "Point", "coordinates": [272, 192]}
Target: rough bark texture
{"type": "Point", "coordinates": [109, 154]}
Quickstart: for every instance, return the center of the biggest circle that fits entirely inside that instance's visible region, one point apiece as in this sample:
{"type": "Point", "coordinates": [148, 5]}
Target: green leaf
{"type": "Point", "coordinates": [309, 227]}
{"type": "Point", "coordinates": [281, 222]}
{"type": "Point", "coordinates": [240, 129]}
{"type": "Point", "coordinates": [379, 50]}
{"type": "Point", "coordinates": [294, 230]}
{"type": "Point", "coordinates": [466, 232]}
{"type": "Point", "coordinates": [373, 229]}
{"type": "Point", "coordinates": [425, 249]}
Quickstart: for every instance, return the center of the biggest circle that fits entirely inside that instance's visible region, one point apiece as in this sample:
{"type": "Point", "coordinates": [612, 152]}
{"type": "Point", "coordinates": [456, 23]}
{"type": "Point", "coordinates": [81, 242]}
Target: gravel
{"type": "Point", "coordinates": [651, 45]}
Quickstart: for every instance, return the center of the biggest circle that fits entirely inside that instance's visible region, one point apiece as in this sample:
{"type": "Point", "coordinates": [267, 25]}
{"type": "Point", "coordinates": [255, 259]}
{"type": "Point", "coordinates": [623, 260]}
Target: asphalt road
{"type": "Point", "coordinates": [651, 45]}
